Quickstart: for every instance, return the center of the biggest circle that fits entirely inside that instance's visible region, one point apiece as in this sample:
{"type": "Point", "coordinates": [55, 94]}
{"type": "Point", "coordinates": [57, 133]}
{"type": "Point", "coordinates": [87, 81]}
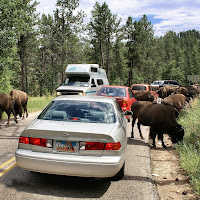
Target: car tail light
{"type": "Point", "coordinates": [24, 140]}
{"type": "Point", "coordinates": [41, 142]}
{"type": "Point", "coordinates": [99, 146]}
{"type": "Point", "coordinates": [36, 141]}
{"type": "Point", "coordinates": [113, 146]}
{"type": "Point", "coordinates": [124, 103]}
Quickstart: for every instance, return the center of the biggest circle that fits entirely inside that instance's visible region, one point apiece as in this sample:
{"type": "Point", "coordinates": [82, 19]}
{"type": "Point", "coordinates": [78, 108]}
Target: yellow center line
{"type": "Point", "coordinates": [7, 169]}
{"type": "Point", "coordinates": [7, 162]}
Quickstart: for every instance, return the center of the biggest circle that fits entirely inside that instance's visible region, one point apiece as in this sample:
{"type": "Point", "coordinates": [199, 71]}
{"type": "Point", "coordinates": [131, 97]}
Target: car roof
{"type": "Point", "coordinates": [86, 98]}
{"type": "Point", "coordinates": [116, 86]}
{"type": "Point", "coordinates": [141, 84]}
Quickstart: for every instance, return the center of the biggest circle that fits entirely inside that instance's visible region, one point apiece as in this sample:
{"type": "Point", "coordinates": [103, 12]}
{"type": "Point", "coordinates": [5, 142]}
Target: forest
{"type": "Point", "coordinates": [35, 49]}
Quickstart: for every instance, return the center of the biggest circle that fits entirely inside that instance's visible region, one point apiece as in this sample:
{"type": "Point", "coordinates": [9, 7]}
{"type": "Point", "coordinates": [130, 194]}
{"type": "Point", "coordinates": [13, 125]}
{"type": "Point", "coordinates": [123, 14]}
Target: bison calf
{"type": "Point", "coordinates": [7, 105]}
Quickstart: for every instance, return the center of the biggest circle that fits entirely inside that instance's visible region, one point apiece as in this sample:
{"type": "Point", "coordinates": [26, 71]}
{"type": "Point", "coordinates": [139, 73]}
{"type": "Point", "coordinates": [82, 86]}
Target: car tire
{"type": "Point", "coordinates": [120, 174]}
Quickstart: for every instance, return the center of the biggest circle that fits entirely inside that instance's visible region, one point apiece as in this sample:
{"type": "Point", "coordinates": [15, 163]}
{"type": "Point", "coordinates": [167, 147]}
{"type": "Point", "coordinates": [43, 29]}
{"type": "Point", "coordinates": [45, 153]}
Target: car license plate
{"type": "Point", "coordinates": [65, 146]}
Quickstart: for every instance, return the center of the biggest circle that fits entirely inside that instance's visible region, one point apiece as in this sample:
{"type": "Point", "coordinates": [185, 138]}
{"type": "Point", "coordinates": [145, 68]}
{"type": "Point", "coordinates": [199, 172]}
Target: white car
{"type": "Point", "coordinates": [76, 136]}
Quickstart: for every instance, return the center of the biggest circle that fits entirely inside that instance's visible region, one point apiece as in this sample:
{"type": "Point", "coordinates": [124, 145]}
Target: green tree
{"type": "Point", "coordinates": [24, 29]}
{"type": "Point", "coordinates": [102, 27]}
{"type": "Point", "coordinates": [140, 50]}
{"type": "Point", "coordinates": [68, 28]}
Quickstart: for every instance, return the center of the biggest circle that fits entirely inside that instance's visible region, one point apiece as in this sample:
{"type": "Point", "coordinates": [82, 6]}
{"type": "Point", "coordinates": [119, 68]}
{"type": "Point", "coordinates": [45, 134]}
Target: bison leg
{"type": "Point", "coordinates": [138, 125]}
{"type": "Point", "coordinates": [133, 123]}
{"type": "Point", "coordinates": [14, 113]}
{"type": "Point", "coordinates": [25, 110]}
{"type": "Point", "coordinates": [160, 137]}
{"type": "Point", "coordinates": [8, 112]}
{"type": "Point", "coordinates": [153, 136]}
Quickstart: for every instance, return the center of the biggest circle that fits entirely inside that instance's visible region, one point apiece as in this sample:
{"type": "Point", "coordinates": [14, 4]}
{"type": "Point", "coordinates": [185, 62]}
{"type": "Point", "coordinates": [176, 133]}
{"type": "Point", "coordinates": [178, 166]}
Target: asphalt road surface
{"type": "Point", "coordinates": [19, 184]}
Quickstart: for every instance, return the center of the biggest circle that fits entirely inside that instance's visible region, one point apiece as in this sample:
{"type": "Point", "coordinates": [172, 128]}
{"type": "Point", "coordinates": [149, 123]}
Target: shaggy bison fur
{"type": "Point", "coordinates": [177, 101]}
{"type": "Point", "coordinates": [21, 99]}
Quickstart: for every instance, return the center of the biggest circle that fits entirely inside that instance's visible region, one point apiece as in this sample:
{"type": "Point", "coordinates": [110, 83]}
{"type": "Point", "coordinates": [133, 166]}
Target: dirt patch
{"type": "Point", "coordinates": [171, 180]}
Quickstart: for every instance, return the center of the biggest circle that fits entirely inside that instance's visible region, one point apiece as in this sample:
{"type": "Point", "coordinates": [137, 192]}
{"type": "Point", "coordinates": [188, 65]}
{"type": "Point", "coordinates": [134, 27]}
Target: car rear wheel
{"type": "Point", "coordinates": [120, 174]}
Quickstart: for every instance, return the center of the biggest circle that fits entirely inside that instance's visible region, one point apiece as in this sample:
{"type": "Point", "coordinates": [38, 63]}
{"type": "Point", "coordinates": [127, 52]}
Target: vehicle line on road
{"type": "Point", "coordinates": [7, 169]}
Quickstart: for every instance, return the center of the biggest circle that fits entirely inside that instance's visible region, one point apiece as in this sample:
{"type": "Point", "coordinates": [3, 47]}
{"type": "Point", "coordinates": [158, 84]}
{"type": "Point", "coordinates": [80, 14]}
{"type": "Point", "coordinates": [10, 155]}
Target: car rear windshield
{"type": "Point", "coordinates": [158, 82]}
{"type": "Point", "coordinates": [112, 91]}
{"type": "Point", "coordinates": [171, 82]}
{"type": "Point", "coordinates": [138, 87]}
{"type": "Point", "coordinates": [79, 111]}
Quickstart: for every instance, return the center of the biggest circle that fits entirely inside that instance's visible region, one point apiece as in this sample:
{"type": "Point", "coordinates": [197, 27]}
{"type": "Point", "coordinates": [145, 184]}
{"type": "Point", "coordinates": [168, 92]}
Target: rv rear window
{"type": "Point", "coordinates": [99, 81]}
{"type": "Point", "coordinates": [93, 69]}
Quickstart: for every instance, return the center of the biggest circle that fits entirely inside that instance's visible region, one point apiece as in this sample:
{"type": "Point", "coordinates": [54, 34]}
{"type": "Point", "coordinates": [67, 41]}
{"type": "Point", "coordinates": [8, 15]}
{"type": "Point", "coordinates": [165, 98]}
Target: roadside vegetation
{"type": "Point", "coordinates": [189, 150]}
{"type": "Point", "coordinates": [38, 103]}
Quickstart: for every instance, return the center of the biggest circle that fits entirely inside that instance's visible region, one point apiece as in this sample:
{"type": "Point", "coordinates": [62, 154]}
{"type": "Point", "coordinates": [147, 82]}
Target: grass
{"type": "Point", "coordinates": [189, 150]}
{"type": "Point", "coordinates": [38, 103]}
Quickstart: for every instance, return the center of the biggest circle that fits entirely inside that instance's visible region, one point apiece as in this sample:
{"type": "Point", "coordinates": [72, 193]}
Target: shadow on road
{"type": "Point", "coordinates": [55, 185]}
{"type": "Point", "coordinates": [133, 141]}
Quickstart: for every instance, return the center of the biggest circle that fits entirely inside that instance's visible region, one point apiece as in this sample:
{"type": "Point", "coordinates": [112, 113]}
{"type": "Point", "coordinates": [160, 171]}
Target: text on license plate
{"type": "Point", "coordinates": [65, 146]}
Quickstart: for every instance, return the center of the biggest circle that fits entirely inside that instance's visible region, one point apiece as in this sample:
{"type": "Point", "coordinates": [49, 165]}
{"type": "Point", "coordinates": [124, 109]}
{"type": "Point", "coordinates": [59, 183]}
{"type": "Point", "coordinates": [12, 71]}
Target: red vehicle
{"type": "Point", "coordinates": [138, 87]}
{"type": "Point", "coordinates": [122, 94]}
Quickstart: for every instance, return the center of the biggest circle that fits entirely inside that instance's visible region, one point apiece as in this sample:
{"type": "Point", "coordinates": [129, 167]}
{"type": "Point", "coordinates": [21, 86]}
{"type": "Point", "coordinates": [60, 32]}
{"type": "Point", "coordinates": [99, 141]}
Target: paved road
{"type": "Point", "coordinates": [19, 184]}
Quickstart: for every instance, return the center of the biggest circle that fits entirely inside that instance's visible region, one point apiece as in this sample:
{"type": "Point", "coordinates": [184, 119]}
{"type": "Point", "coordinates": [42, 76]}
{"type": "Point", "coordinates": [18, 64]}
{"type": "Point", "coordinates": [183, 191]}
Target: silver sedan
{"type": "Point", "coordinates": [76, 136]}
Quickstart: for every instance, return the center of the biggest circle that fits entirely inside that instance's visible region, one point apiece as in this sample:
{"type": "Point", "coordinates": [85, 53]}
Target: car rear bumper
{"type": "Point", "coordinates": [70, 165]}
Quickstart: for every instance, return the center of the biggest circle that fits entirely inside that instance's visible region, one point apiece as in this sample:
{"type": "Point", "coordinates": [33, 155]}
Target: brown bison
{"type": "Point", "coordinates": [160, 118]}
{"type": "Point", "coordinates": [166, 91]}
{"type": "Point", "coordinates": [182, 90]}
{"type": "Point", "coordinates": [192, 91]}
{"type": "Point", "coordinates": [21, 99]}
{"type": "Point", "coordinates": [136, 106]}
{"type": "Point", "coordinates": [7, 105]}
{"type": "Point", "coordinates": [143, 95]}
{"type": "Point", "coordinates": [178, 101]}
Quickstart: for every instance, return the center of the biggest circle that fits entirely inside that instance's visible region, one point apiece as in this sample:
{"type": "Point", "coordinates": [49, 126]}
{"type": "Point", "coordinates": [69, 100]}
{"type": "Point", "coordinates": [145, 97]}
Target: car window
{"type": "Point", "coordinates": [158, 82]}
{"type": "Point", "coordinates": [100, 81]}
{"type": "Point", "coordinates": [79, 111]}
{"type": "Point", "coordinates": [138, 87]}
{"type": "Point", "coordinates": [77, 81]}
{"type": "Point", "coordinates": [112, 91]}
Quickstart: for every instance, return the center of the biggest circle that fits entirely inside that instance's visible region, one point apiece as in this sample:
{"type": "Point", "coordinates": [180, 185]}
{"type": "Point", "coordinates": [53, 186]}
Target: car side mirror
{"type": "Point", "coordinates": [128, 113]}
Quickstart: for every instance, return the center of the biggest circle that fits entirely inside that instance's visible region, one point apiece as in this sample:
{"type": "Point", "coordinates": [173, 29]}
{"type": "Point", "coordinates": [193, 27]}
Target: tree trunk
{"type": "Point", "coordinates": [21, 45]}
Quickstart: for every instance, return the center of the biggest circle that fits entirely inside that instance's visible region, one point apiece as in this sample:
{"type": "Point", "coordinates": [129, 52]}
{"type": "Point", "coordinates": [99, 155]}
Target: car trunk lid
{"type": "Point", "coordinates": [68, 137]}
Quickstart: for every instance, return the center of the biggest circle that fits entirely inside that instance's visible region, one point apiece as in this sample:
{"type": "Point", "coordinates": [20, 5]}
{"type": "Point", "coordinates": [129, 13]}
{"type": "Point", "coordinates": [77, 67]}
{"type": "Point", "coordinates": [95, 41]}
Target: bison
{"type": "Point", "coordinates": [160, 118]}
{"type": "Point", "coordinates": [192, 91]}
{"type": "Point", "coordinates": [166, 91]}
{"type": "Point", "coordinates": [177, 101]}
{"type": "Point", "coordinates": [143, 95]}
{"type": "Point", "coordinates": [7, 105]}
{"type": "Point", "coordinates": [136, 106]}
{"type": "Point", "coordinates": [21, 99]}
{"type": "Point", "coordinates": [182, 90]}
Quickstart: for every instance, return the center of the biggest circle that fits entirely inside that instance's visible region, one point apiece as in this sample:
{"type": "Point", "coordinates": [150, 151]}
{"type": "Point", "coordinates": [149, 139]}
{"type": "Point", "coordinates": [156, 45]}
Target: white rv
{"type": "Point", "coordinates": [82, 79]}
